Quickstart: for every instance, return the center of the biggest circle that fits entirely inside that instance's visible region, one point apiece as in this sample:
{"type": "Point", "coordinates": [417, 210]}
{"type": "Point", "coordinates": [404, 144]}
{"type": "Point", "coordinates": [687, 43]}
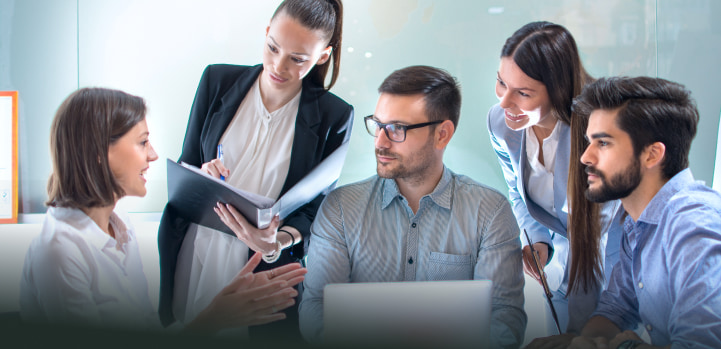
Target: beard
{"type": "Point", "coordinates": [415, 165]}
{"type": "Point", "coordinates": [618, 186]}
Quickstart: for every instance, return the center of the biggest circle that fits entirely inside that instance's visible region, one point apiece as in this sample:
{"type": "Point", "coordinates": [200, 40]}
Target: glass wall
{"type": "Point", "coordinates": [157, 49]}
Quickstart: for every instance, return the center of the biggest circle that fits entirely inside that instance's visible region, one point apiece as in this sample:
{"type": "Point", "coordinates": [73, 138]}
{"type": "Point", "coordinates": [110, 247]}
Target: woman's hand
{"type": "Point", "coordinates": [529, 266]}
{"type": "Point", "coordinates": [215, 168]}
{"type": "Point", "coordinates": [259, 240]}
{"type": "Point", "coordinates": [251, 298]}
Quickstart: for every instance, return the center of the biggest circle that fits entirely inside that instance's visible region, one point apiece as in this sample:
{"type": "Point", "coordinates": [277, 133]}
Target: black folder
{"type": "Point", "coordinates": [194, 193]}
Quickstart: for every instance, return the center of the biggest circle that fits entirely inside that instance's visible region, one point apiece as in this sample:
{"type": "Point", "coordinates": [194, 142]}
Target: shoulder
{"type": "Point", "coordinates": [496, 119]}
{"type": "Point", "coordinates": [500, 134]}
{"type": "Point", "coordinates": [468, 189]}
{"type": "Point", "coordinates": [695, 205]}
{"type": "Point", "coordinates": [357, 193]}
{"type": "Point", "coordinates": [327, 101]}
{"type": "Point", "coordinates": [61, 237]}
{"type": "Point", "coordinates": [225, 75]}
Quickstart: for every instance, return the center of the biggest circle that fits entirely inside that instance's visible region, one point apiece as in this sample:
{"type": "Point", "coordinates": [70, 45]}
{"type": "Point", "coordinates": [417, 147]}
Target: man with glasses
{"type": "Point", "coordinates": [416, 220]}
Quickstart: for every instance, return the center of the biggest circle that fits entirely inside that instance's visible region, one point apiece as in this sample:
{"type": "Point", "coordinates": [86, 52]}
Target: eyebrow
{"type": "Point", "coordinates": [294, 53]}
{"type": "Point", "coordinates": [598, 135]}
{"type": "Point", "coordinates": [517, 89]}
{"type": "Point", "coordinates": [405, 123]}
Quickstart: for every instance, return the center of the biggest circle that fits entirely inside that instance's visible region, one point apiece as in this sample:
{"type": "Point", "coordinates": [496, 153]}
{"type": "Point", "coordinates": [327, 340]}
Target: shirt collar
{"type": "Point", "coordinates": [92, 233]}
{"type": "Point", "coordinates": [652, 212]}
{"type": "Point", "coordinates": [441, 195]}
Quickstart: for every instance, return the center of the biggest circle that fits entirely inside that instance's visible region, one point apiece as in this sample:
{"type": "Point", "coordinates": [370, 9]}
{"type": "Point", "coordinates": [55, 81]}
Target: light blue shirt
{"type": "Point", "coordinates": [669, 274]}
{"type": "Point", "coordinates": [366, 232]}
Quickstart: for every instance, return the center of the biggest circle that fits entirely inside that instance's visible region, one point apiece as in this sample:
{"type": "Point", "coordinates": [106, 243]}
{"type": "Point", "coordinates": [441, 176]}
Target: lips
{"type": "Point", "coordinates": [382, 156]}
{"type": "Point", "coordinates": [592, 173]}
{"type": "Point", "coordinates": [514, 117]}
{"type": "Point", "coordinates": [276, 78]}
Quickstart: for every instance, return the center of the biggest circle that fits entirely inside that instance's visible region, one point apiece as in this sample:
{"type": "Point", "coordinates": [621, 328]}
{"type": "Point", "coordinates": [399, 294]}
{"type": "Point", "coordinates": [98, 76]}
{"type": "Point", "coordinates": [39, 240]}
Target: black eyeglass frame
{"type": "Point", "coordinates": [405, 128]}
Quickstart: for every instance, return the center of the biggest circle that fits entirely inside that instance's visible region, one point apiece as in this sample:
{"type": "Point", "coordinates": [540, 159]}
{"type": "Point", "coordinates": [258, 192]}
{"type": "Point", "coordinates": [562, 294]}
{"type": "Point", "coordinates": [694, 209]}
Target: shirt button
{"type": "Point", "coordinates": [649, 328]}
{"type": "Point", "coordinates": [410, 260]}
{"type": "Point", "coordinates": [640, 284]}
{"type": "Point", "coordinates": [413, 225]}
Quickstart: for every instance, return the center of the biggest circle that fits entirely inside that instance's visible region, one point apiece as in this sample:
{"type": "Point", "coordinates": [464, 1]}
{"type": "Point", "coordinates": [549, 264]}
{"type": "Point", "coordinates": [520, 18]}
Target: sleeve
{"type": "Point", "coordinates": [500, 260]}
{"type": "Point", "coordinates": [62, 278]}
{"type": "Point", "coordinates": [618, 303]}
{"type": "Point", "coordinates": [328, 262]}
{"type": "Point", "coordinates": [302, 218]}
{"type": "Point", "coordinates": [536, 231]}
{"type": "Point", "coordinates": [694, 265]}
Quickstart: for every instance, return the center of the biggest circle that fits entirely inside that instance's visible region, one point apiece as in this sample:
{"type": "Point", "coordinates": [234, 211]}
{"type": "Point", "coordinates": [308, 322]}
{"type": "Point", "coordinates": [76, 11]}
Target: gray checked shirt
{"type": "Point", "coordinates": [366, 232]}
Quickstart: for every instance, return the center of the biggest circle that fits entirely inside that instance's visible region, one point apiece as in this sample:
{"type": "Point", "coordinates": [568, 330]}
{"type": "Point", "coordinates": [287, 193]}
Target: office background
{"type": "Point", "coordinates": [157, 49]}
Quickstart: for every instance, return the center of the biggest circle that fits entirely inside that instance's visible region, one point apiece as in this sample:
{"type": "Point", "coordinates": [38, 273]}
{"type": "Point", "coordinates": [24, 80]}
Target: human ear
{"type": "Point", "coordinates": [444, 133]}
{"type": "Point", "coordinates": [324, 55]}
{"type": "Point", "coordinates": [654, 154]}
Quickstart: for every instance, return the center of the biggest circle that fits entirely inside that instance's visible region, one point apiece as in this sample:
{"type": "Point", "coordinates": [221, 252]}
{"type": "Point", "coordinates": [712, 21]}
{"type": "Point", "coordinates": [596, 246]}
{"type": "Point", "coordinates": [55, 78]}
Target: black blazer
{"type": "Point", "coordinates": [323, 123]}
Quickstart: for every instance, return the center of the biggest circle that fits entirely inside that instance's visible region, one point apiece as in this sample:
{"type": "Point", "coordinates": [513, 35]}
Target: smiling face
{"type": "Point", "coordinates": [524, 100]}
{"type": "Point", "coordinates": [613, 170]}
{"type": "Point", "coordinates": [129, 158]}
{"type": "Point", "coordinates": [291, 51]}
{"type": "Point", "coordinates": [414, 157]}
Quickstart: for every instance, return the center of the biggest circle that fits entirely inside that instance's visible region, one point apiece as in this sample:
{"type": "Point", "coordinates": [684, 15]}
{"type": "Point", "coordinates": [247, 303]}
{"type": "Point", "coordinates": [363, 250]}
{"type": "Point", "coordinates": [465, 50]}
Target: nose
{"type": "Point", "coordinates": [382, 141]}
{"type": "Point", "coordinates": [587, 156]}
{"type": "Point", "coordinates": [152, 155]}
{"type": "Point", "coordinates": [504, 99]}
{"type": "Point", "coordinates": [280, 63]}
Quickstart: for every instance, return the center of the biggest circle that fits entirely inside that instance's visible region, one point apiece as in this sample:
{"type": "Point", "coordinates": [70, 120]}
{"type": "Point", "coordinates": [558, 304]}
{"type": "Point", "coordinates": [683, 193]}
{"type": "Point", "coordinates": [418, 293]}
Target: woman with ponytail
{"type": "Point", "coordinates": [276, 121]}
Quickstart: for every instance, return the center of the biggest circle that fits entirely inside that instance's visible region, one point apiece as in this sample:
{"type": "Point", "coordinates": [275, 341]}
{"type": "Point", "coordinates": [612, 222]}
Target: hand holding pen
{"type": "Point", "coordinates": [542, 276]}
{"type": "Point", "coordinates": [215, 167]}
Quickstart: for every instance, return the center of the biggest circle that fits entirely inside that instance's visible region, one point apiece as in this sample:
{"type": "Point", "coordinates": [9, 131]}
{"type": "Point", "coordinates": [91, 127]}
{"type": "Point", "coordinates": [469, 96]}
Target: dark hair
{"type": "Point", "coordinates": [84, 127]}
{"type": "Point", "coordinates": [440, 90]}
{"type": "Point", "coordinates": [547, 52]}
{"type": "Point", "coordinates": [650, 110]}
{"type": "Point", "coordinates": [325, 16]}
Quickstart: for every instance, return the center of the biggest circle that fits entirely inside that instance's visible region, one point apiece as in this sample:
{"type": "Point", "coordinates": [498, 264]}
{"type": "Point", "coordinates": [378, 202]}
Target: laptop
{"type": "Point", "coordinates": [413, 314]}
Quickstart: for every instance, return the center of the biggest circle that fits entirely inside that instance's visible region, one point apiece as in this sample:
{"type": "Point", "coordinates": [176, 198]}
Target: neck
{"type": "Point", "coordinates": [638, 200]}
{"type": "Point", "coordinates": [544, 130]}
{"type": "Point", "coordinates": [418, 186]}
{"type": "Point", "coordinates": [274, 98]}
{"type": "Point", "coordinates": [101, 217]}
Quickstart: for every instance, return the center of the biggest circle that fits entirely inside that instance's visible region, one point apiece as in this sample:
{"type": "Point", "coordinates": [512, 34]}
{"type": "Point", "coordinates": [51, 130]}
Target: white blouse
{"type": "Point", "coordinates": [74, 272]}
{"type": "Point", "coordinates": [256, 149]}
{"type": "Point", "coordinates": [540, 179]}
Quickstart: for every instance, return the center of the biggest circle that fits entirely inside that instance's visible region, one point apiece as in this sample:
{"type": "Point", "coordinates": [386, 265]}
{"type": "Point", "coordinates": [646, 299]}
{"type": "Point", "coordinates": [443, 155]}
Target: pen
{"type": "Point", "coordinates": [546, 289]}
{"type": "Point", "coordinates": [220, 157]}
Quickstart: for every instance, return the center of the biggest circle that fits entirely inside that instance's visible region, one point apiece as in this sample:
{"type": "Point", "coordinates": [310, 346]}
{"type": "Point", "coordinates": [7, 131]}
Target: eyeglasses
{"type": "Point", "coordinates": [394, 132]}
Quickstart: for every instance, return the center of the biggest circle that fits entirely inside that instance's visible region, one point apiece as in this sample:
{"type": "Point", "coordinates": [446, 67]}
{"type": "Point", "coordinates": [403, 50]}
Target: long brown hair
{"type": "Point", "coordinates": [327, 17]}
{"type": "Point", "coordinates": [84, 127]}
{"type": "Point", "coordinates": [547, 52]}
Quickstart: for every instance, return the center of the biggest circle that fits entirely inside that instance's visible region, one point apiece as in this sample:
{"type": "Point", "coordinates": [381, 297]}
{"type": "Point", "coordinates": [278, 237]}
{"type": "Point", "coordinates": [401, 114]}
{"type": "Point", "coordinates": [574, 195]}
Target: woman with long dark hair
{"type": "Point", "coordinates": [539, 140]}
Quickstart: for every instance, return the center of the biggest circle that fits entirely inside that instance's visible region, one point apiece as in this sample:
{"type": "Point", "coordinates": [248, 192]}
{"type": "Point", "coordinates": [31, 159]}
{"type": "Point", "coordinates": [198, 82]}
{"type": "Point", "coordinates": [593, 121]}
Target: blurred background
{"type": "Point", "coordinates": [157, 49]}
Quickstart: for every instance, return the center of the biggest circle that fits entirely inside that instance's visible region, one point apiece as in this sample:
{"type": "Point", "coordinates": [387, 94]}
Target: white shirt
{"type": "Point", "coordinates": [540, 178]}
{"type": "Point", "coordinates": [75, 272]}
{"type": "Point", "coordinates": [256, 149]}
